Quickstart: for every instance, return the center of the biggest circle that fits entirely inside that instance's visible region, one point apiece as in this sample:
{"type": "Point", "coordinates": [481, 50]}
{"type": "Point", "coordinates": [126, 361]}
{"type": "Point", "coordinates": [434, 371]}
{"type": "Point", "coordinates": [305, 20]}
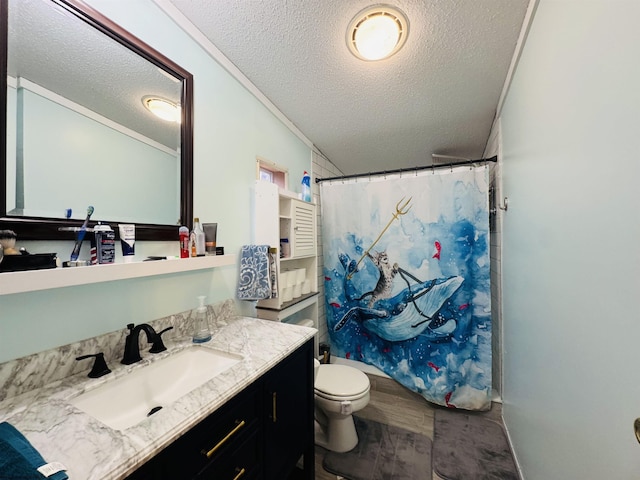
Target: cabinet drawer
{"type": "Point", "coordinates": [215, 436]}
{"type": "Point", "coordinates": [243, 463]}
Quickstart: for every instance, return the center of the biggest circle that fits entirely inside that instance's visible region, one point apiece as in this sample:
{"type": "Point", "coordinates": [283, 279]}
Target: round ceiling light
{"type": "Point", "coordinates": [162, 108]}
{"type": "Point", "coordinates": [377, 32]}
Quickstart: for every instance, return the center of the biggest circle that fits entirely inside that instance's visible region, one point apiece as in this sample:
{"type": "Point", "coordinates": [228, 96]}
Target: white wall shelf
{"type": "Point", "coordinates": [34, 280]}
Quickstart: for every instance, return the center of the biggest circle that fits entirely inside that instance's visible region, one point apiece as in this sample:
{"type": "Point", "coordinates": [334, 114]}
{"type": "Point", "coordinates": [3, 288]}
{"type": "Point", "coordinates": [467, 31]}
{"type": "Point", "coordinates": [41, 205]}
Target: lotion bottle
{"type": "Point", "coordinates": [201, 332]}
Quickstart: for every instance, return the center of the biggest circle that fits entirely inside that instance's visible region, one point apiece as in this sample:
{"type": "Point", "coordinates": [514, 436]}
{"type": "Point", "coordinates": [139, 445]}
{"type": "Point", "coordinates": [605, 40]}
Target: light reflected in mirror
{"type": "Point", "coordinates": [78, 133]}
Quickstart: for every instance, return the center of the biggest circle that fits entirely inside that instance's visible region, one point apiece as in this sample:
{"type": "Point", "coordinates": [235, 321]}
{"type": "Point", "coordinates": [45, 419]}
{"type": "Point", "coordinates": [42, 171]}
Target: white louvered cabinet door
{"type": "Point", "coordinates": [304, 229]}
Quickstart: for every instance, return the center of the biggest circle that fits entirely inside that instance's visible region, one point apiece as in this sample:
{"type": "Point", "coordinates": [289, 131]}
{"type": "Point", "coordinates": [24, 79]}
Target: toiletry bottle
{"type": "Point", "coordinates": [306, 187]}
{"type": "Point", "coordinates": [184, 242]}
{"type": "Point", "coordinates": [105, 244]}
{"type": "Point", "coordinates": [192, 243]}
{"type": "Point", "coordinates": [201, 332]}
{"type": "Point", "coordinates": [200, 245]}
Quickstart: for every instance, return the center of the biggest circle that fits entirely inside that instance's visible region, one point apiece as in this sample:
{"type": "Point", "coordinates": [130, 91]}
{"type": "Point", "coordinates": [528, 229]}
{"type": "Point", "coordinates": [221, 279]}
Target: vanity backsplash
{"type": "Point", "coordinates": [35, 371]}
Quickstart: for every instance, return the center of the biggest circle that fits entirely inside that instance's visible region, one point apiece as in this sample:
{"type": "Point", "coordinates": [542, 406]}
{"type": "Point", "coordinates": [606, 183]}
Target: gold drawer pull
{"type": "Point", "coordinates": [221, 442]}
{"type": "Point", "coordinates": [240, 473]}
{"type": "Point", "coordinates": [274, 407]}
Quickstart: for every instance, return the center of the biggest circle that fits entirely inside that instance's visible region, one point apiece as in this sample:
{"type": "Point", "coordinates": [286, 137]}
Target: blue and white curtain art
{"type": "Point", "coordinates": [407, 279]}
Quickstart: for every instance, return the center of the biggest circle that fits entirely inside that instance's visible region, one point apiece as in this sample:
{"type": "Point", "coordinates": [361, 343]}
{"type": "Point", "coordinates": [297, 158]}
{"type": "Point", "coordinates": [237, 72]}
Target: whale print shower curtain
{"type": "Point", "coordinates": [407, 279]}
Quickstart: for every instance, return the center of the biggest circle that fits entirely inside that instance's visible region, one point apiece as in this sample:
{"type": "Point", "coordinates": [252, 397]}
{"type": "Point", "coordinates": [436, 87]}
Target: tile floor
{"type": "Point", "coordinates": [393, 404]}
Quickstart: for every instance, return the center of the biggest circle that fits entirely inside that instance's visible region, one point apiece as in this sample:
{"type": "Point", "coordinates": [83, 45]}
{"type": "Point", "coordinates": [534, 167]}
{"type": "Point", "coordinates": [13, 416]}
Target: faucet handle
{"type": "Point", "coordinates": [100, 367]}
{"type": "Point", "coordinates": [158, 344]}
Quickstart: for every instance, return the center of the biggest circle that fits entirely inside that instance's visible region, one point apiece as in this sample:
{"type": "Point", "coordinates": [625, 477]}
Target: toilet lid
{"type": "Point", "coordinates": [341, 381]}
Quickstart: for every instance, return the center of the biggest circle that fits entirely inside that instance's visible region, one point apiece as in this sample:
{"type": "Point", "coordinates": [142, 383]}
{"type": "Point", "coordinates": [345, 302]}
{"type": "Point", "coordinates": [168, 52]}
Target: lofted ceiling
{"type": "Point", "coordinates": [438, 95]}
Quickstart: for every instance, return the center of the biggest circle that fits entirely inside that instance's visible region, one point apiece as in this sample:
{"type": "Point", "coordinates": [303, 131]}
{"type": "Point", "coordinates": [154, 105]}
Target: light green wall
{"type": "Point", "coordinates": [231, 128]}
{"type": "Point", "coordinates": [571, 262]}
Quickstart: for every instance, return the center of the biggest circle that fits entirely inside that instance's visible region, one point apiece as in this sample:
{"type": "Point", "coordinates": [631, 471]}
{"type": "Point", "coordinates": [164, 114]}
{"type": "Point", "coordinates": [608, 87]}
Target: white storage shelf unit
{"type": "Point", "coordinates": [280, 214]}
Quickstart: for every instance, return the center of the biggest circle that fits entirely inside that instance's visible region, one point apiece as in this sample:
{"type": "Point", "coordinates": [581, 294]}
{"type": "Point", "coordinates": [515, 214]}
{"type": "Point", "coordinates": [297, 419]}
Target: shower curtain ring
{"type": "Point", "coordinates": [505, 204]}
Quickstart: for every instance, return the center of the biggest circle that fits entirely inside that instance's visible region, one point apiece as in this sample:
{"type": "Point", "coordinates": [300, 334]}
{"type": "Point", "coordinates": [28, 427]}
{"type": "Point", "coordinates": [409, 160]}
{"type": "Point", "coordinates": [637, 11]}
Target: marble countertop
{"type": "Point", "coordinates": [91, 450]}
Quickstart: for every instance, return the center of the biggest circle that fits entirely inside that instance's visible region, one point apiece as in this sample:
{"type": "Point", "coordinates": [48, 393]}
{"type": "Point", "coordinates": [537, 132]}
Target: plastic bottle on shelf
{"type": "Point", "coordinates": [199, 237]}
{"type": "Point", "coordinates": [184, 242]}
{"type": "Point", "coordinates": [306, 187]}
{"type": "Point", "coordinates": [192, 243]}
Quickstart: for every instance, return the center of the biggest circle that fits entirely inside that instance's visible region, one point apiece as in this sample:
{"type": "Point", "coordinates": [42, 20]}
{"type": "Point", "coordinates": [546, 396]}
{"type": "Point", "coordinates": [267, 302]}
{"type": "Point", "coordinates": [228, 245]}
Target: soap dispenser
{"type": "Point", "coordinates": [201, 332]}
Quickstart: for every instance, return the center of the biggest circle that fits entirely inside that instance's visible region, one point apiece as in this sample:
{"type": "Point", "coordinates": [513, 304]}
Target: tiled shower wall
{"type": "Point", "coordinates": [323, 168]}
{"type": "Point", "coordinates": [494, 147]}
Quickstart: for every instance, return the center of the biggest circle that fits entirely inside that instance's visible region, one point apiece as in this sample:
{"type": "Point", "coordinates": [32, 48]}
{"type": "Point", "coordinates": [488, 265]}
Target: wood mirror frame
{"type": "Point", "coordinates": [39, 228]}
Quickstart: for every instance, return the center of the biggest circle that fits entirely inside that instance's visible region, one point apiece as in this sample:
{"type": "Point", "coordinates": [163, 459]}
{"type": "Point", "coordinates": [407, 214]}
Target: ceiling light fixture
{"type": "Point", "coordinates": [377, 32]}
{"type": "Point", "coordinates": [162, 108]}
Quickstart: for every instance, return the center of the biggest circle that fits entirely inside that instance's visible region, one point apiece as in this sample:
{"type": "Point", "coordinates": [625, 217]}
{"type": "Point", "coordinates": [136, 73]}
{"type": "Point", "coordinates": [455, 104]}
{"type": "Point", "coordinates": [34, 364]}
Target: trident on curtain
{"type": "Point", "coordinates": [400, 210]}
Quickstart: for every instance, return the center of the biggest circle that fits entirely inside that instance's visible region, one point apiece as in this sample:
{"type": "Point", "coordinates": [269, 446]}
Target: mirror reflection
{"type": "Point", "coordinates": [79, 128]}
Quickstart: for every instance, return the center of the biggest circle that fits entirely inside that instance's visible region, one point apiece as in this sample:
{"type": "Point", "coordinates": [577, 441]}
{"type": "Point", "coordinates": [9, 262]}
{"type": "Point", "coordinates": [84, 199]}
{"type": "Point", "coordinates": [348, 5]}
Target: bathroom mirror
{"type": "Point", "coordinates": [74, 88]}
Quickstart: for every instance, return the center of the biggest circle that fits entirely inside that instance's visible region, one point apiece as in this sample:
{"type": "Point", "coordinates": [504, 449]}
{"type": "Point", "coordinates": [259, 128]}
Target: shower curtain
{"type": "Point", "coordinates": [407, 279]}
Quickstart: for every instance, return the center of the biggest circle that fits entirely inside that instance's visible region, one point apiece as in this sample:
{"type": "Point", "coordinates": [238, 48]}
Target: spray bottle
{"type": "Point", "coordinates": [201, 332]}
{"type": "Point", "coordinates": [306, 187]}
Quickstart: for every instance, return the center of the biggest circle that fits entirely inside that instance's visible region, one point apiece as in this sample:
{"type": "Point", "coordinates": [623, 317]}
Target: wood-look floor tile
{"type": "Point", "coordinates": [400, 412]}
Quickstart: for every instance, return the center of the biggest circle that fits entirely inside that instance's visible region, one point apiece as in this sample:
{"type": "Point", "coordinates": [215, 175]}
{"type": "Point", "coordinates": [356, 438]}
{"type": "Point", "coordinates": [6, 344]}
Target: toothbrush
{"type": "Point", "coordinates": [80, 236]}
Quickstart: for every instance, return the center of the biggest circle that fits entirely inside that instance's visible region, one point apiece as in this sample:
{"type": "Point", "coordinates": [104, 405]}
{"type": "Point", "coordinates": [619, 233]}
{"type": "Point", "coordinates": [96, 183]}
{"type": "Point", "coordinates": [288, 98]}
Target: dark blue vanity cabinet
{"type": "Point", "coordinates": [288, 421]}
{"type": "Point", "coordinates": [260, 434]}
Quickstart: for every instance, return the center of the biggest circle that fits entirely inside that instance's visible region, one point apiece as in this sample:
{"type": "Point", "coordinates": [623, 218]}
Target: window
{"type": "Point", "coordinates": [271, 172]}
{"type": "Point", "coordinates": [266, 175]}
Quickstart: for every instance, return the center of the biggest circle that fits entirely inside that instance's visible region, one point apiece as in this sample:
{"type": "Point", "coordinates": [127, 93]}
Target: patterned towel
{"type": "Point", "coordinates": [254, 281]}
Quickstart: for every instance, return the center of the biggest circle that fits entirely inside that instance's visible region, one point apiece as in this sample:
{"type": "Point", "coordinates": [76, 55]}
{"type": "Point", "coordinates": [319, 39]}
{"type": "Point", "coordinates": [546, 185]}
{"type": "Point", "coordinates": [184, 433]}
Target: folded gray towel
{"type": "Point", "coordinates": [18, 459]}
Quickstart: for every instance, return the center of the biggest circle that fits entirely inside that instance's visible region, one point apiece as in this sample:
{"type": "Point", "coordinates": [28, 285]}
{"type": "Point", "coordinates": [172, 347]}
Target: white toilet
{"type": "Point", "coordinates": [340, 391]}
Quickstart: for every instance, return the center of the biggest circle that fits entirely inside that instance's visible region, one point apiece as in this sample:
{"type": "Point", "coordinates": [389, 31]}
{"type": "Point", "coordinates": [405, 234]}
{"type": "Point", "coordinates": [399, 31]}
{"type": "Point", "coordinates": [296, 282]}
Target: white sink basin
{"type": "Point", "coordinates": [128, 400]}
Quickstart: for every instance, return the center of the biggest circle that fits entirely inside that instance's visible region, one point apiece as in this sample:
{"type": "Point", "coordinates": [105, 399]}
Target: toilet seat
{"type": "Point", "coordinates": [341, 383]}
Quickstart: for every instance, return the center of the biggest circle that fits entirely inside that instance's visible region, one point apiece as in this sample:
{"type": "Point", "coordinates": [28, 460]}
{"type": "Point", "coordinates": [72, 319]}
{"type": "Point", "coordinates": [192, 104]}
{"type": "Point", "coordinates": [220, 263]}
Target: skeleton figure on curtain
{"type": "Point", "coordinates": [407, 280]}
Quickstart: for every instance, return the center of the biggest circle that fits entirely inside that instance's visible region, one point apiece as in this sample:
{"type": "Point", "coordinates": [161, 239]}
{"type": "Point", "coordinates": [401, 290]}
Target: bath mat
{"type": "Point", "coordinates": [469, 446]}
{"type": "Point", "coordinates": [383, 452]}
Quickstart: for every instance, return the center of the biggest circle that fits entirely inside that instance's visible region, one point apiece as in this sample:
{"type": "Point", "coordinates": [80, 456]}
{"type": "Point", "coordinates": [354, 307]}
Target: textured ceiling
{"type": "Point", "coordinates": [437, 95]}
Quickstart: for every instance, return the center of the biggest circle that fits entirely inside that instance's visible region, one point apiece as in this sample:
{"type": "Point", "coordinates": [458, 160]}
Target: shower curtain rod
{"type": "Point", "coordinates": [414, 169]}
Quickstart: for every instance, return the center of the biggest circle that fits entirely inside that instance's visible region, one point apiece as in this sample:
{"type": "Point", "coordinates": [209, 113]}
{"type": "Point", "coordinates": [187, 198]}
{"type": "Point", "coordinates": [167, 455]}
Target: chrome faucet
{"type": "Point", "coordinates": [132, 346]}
